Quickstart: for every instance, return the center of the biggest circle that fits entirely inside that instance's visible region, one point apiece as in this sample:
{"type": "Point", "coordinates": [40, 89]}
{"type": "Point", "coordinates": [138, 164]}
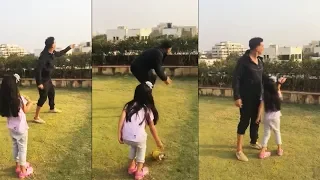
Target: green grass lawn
{"type": "Point", "coordinates": [178, 128]}
{"type": "Point", "coordinates": [59, 149]}
{"type": "Point", "coordinates": [300, 128]}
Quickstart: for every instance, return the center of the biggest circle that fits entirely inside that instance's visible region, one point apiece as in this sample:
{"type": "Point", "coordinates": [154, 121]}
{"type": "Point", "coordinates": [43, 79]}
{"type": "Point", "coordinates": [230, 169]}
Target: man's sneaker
{"type": "Point", "coordinates": [39, 120]}
{"type": "Point", "coordinates": [241, 156]}
{"type": "Point", "coordinates": [256, 146]}
{"type": "Point", "coordinates": [55, 111]}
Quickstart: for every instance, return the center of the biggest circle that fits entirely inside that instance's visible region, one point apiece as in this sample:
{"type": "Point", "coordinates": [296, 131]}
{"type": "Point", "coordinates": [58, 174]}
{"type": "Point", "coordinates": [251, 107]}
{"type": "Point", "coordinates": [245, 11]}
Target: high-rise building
{"type": "Point", "coordinates": [10, 49]}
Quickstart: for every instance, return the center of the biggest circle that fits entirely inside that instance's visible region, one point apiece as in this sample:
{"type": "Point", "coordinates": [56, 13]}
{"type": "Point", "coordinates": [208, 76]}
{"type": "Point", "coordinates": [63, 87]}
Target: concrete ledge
{"type": "Point", "coordinates": [61, 83]}
{"type": "Point", "coordinates": [122, 70]}
{"type": "Point", "coordinates": [288, 96]}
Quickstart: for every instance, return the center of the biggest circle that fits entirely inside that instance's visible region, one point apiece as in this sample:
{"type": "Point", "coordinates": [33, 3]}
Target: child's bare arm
{"type": "Point", "coordinates": [279, 87]}
{"type": "Point", "coordinates": [120, 126]}
{"type": "Point", "coordinates": [26, 107]}
{"type": "Point", "coordinates": [154, 133]}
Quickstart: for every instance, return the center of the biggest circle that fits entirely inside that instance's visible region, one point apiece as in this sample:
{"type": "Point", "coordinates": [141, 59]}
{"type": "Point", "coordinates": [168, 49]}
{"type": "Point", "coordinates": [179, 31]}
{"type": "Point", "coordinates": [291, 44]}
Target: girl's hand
{"type": "Point", "coordinates": [160, 145]}
{"type": "Point", "coordinates": [282, 80]}
{"type": "Point", "coordinates": [258, 121]}
{"type": "Point", "coordinates": [120, 140]}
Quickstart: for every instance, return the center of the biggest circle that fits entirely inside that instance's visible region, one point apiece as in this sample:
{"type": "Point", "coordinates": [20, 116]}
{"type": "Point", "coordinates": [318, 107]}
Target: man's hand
{"type": "Point", "coordinates": [41, 86]}
{"type": "Point", "coordinates": [168, 81]}
{"type": "Point", "coordinates": [238, 103]}
{"type": "Point", "coordinates": [72, 46]}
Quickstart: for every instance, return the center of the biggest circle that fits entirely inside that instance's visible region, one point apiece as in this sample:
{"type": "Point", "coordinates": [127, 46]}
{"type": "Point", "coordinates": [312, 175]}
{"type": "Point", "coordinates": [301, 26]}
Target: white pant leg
{"type": "Point", "coordinates": [133, 149]}
{"type": "Point", "coordinates": [275, 125]}
{"type": "Point", "coordinates": [267, 132]}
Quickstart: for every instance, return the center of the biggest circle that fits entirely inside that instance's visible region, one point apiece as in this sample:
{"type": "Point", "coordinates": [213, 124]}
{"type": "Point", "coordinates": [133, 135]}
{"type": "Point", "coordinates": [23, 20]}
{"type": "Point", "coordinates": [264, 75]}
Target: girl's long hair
{"type": "Point", "coordinates": [142, 99]}
{"type": "Point", "coordinates": [272, 101]}
{"type": "Point", "coordinates": [10, 101]}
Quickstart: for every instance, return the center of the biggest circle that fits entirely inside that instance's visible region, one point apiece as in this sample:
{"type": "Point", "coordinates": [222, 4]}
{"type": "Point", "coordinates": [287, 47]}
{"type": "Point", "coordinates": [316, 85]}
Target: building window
{"type": "Point", "coordinates": [300, 56]}
{"type": "Point", "coordinates": [114, 38]}
{"type": "Point", "coordinates": [117, 38]}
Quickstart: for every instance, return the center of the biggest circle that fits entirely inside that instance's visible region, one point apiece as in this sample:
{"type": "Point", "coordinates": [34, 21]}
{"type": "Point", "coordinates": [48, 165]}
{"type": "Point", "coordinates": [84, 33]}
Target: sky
{"type": "Point", "coordinates": [282, 22]}
{"type": "Point", "coordinates": [142, 13]}
{"type": "Point", "coordinates": [28, 23]}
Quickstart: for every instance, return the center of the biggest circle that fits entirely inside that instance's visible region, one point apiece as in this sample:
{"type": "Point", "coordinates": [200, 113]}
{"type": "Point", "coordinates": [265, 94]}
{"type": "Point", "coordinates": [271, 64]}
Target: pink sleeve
{"type": "Point", "coordinates": [24, 100]}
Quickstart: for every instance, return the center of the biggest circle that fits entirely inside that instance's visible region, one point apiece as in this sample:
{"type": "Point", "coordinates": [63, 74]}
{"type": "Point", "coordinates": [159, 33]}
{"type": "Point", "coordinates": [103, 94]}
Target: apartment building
{"type": "Point", "coordinates": [10, 49]}
{"type": "Point", "coordinates": [276, 53]}
{"type": "Point", "coordinates": [122, 33]}
{"type": "Point", "coordinates": [84, 47]}
{"type": "Point", "coordinates": [176, 31]}
{"type": "Point", "coordinates": [223, 49]}
{"type": "Point", "coordinates": [162, 29]}
{"type": "Point", "coordinates": [311, 47]}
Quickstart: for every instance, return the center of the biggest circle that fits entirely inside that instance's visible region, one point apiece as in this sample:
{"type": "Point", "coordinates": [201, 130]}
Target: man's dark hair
{"type": "Point", "coordinates": [255, 42]}
{"type": "Point", "coordinates": [49, 42]}
{"type": "Point", "coordinates": [166, 44]}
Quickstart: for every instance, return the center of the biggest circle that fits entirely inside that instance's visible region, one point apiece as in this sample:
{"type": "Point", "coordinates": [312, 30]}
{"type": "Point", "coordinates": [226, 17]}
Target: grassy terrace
{"type": "Point", "coordinates": [300, 128]}
{"type": "Point", "coordinates": [178, 128]}
{"type": "Point", "coordinates": [59, 149]}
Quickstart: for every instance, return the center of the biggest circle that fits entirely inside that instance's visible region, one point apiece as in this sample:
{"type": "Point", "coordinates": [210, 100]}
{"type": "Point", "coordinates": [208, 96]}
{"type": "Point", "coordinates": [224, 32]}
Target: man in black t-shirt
{"type": "Point", "coordinates": [247, 92]}
{"type": "Point", "coordinates": [43, 71]}
{"type": "Point", "coordinates": [151, 59]}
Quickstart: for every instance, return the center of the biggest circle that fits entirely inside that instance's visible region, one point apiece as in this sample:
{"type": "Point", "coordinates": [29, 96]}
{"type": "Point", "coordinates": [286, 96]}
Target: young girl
{"type": "Point", "coordinates": [14, 106]}
{"type": "Point", "coordinates": [136, 115]}
{"type": "Point", "coordinates": [271, 104]}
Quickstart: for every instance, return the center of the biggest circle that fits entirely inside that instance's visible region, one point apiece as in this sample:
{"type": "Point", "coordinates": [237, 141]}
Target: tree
{"type": "Point", "coordinates": [233, 57]}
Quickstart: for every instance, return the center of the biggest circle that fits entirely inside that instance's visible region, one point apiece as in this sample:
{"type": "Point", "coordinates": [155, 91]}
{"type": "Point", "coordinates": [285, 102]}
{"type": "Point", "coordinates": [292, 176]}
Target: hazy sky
{"type": "Point", "coordinates": [28, 23]}
{"type": "Point", "coordinates": [283, 22]}
{"type": "Point", "coordinates": [142, 13]}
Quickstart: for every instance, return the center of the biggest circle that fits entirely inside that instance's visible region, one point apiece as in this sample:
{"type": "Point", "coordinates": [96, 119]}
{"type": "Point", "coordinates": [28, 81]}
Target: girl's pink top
{"type": "Point", "coordinates": [19, 124]}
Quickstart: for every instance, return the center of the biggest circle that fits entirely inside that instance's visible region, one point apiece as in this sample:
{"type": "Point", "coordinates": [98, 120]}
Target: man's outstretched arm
{"type": "Point", "coordinates": [62, 52]}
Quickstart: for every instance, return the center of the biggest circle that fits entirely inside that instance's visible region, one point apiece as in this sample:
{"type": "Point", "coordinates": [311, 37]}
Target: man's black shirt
{"type": "Point", "coordinates": [45, 65]}
{"type": "Point", "coordinates": [247, 78]}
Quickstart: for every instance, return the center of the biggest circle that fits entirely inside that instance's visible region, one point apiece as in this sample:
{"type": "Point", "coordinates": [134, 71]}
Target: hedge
{"type": "Point", "coordinates": [76, 66]}
{"type": "Point", "coordinates": [303, 76]}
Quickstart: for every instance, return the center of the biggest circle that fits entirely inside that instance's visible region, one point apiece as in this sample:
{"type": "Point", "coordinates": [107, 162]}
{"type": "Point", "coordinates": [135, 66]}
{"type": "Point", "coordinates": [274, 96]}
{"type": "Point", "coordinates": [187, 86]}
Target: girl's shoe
{"type": "Point", "coordinates": [280, 152]}
{"type": "Point", "coordinates": [265, 154]}
{"type": "Point", "coordinates": [132, 170]}
{"type": "Point", "coordinates": [18, 169]}
{"type": "Point", "coordinates": [28, 173]}
{"type": "Point", "coordinates": [140, 175]}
